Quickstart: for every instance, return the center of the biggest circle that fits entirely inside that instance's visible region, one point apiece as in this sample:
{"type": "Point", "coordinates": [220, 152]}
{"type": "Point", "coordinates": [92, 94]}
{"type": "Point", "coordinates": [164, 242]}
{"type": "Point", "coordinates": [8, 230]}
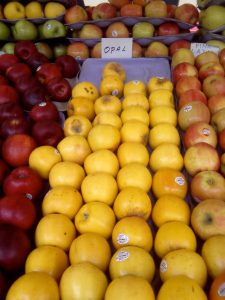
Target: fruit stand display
{"type": "Point", "coordinates": [112, 169]}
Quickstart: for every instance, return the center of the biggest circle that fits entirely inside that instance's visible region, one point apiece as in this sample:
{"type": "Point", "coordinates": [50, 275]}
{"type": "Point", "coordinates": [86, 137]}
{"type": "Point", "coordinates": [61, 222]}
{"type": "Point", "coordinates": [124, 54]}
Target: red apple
{"type": "Point", "coordinates": [2, 285]}
{"type": "Point", "coordinates": [36, 60]}
{"type": "Point", "coordinates": [14, 125]}
{"type": "Point", "coordinates": [168, 28]}
{"type": "Point", "coordinates": [200, 132]}
{"type": "Point", "coordinates": [117, 30]}
{"type": "Point", "coordinates": [47, 132]}
{"type": "Point", "coordinates": [69, 66]}
{"type": "Point", "coordinates": [191, 95]}
{"type": "Point", "coordinates": [18, 70]}
{"type": "Point", "coordinates": [3, 80]}
{"type": "Point", "coordinates": [201, 157]}
{"type": "Point", "coordinates": [119, 3]}
{"type": "Point", "coordinates": [96, 50]}
{"type": "Point", "coordinates": [78, 50]}
{"type": "Point", "coordinates": [4, 171]}
{"type": "Point", "coordinates": [24, 49]}
{"type": "Point", "coordinates": [174, 46]}
{"type": "Point", "coordinates": [17, 148]}
{"type": "Point", "coordinates": [10, 110]}
{"type": "Point", "coordinates": [7, 60]}
{"type": "Point", "coordinates": [214, 85]}
{"type": "Point", "coordinates": [44, 111]}
{"type": "Point", "coordinates": [25, 83]}
{"type": "Point", "coordinates": [184, 69]}
{"type": "Point", "coordinates": [14, 247]}
{"type": "Point", "coordinates": [193, 112]}
{"type": "Point", "coordinates": [34, 96]}
{"type": "Point", "coordinates": [156, 49]}
{"type": "Point", "coordinates": [8, 94]}
{"type": "Point", "coordinates": [211, 68]}
{"type": "Point", "coordinates": [59, 89]}
{"type": "Point", "coordinates": [131, 10]}
{"type": "Point", "coordinates": [74, 14]}
{"type": "Point", "coordinates": [218, 120]}
{"type": "Point", "coordinates": [137, 50]}
{"type": "Point", "coordinates": [207, 185]}
{"type": "Point", "coordinates": [103, 11]}
{"type": "Point", "coordinates": [216, 103]}
{"type": "Point", "coordinates": [221, 139]}
{"type": "Point", "coordinates": [187, 12]}
{"type": "Point", "coordinates": [205, 58]}
{"type": "Point", "coordinates": [17, 210]}
{"type": "Point", "coordinates": [171, 10]}
{"type": "Point", "coordinates": [222, 56]}
{"type": "Point", "coordinates": [186, 83]}
{"type": "Point", "coordinates": [25, 181]}
{"type": "Point", "coordinates": [48, 71]}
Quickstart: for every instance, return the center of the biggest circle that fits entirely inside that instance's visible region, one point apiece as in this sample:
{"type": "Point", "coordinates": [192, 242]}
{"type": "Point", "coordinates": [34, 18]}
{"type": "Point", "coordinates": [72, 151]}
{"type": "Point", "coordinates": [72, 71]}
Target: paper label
{"type": "Point", "coordinates": [123, 255]}
{"type": "Point", "coordinates": [198, 48]}
{"type": "Point", "coordinates": [187, 108]}
{"type": "Point", "coordinates": [122, 239]}
{"type": "Point", "coordinates": [179, 180]}
{"type": "Point", "coordinates": [206, 131]}
{"type": "Point", "coordinates": [116, 47]}
{"type": "Point", "coordinates": [221, 290]}
{"type": "Point", "coordinates": [163, 266]}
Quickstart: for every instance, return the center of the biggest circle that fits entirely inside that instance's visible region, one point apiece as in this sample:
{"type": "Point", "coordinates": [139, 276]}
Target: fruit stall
{"type": "Point", "coordinates": [112, 150]}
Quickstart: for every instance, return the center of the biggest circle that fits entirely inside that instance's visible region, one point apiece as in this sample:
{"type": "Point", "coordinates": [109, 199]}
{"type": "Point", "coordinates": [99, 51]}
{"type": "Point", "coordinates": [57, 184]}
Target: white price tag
{"type": "Point", "coordinates": [198, 48]}
{"type": "Point", "coordinates": [117, 47]}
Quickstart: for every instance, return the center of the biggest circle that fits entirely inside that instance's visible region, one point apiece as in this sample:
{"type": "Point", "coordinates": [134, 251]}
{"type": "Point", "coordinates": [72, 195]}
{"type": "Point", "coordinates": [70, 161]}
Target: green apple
{"type": "Point", "coordinates": [59, 50]}
{"type": "Point", "coordinates": [143, 30]}
{"type": "Point", "coordinates": [24, 30]}
{"type": "Point", "coordinates": [9, 47]}
{"type": "Point", "coordinates": [53, 29]}
{"type": "Point", "coordinates": [45, 49]}
{"type": "Point", "coordinates": [5, 32]}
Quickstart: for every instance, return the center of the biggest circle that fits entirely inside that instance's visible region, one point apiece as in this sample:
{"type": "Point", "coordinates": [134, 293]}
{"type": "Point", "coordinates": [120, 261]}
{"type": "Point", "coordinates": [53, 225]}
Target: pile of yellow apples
{"type": "Point", "coordinates": [115, 222]}
{"type": "Point", "coordinates": [15, 10]}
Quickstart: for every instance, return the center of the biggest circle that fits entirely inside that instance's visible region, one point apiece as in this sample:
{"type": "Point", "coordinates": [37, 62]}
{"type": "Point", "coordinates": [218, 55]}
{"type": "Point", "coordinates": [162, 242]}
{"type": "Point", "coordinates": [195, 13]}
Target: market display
{"type": "Point", "coordinates": [112, 170]}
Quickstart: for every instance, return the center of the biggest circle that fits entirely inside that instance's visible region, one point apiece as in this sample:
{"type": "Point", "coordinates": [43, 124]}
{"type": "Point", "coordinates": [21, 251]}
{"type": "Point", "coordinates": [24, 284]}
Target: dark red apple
{"type": "Point", "coordinates": [69, 65]}
{"type": "Point", "coordinates": [4, 170]}
{"type": "Point", "coordinates": [36, 60]}
{"type": "Point", "coordinates": [14, 125]}
{"type": "Point", "coordinates": [48, 71]}
{"type": "Point", "coordinates": [168, 28]}
{"type": "Point", "coordinates": [8, 94]}
{"type": "Point", "coordinates": [14, 247]}
{"type": "Point", "coordinates": [32, 97]}
{"type": "Point", "coordinates": [23, 180]}
{"type": "Point", "coordinates": [24, 49]}
{"type": "Point", "coordinates": [44, 111]}
{"type": "Point", "coordinates": [171, 10]}
{"type": "Point", "coordinates": [10, 110]}
{"type": "Point", "coordinates": [25, 83]}
{"type": "Point", "coordinates": [17, 210]}
{"type": "Point", "coordinates": [2, 285]}
{"type": "Point", "coordinates": [3, 80]}
{"type": "Point", "coordinates": [17, 148]}
{"type": "Point", "coordinates": [47, 132]}
{"type": "Point", "coordinates": [7, 60]}
{"type": "Point", "coordinates": [59, 89]}
{"type": "Point", "coordinates": [17, 71]}
{"type": "Point", "coordinates": [174, 46]}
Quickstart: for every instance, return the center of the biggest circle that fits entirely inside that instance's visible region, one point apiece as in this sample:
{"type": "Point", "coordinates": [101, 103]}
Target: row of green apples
{"type": "Point", "coordinates": [110, 132]}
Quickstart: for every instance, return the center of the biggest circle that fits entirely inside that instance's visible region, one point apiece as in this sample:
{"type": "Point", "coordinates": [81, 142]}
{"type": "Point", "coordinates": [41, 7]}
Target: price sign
{"type": "Point", "coordinates": [117, 47]}
{"type": "Point", "coordinates": [198, 48]}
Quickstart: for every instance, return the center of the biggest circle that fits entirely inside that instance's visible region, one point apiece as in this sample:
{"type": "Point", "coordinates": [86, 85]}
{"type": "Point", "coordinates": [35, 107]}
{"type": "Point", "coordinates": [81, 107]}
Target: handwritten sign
{"type": "Point", "coordinates": [198, 48]}
{"type": "Point", "coordinates": [117, 47]}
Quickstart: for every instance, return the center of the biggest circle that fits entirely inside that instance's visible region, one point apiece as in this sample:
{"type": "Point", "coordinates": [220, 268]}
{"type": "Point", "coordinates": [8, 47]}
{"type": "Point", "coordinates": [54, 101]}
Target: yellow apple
{"type": "Point", "coordinates": [162, 114]}
{"type": "Point", "coordinates": [161, 97]}
{"type": "Point", "coordinates": [34, 10]}
{"type": "Point", "coordinates": [14, 10]}
{"type": "Point", "coordinates": [163, 133]}
{"type": "Point", "coordinates": [54, 9]}
{"type": "Point", "coordinates": [159, 83]}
